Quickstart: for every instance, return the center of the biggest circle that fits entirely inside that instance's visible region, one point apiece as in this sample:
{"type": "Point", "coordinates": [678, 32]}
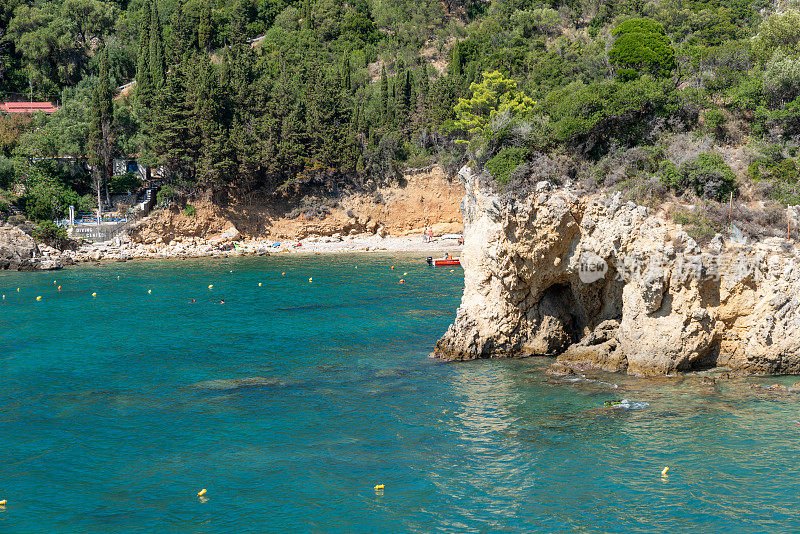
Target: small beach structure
{"type": "Point", "coordinates": [27, 107]}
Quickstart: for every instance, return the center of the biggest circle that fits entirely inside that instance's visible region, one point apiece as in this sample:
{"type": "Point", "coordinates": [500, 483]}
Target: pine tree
{"type": "Point", "coordinates": [157, 64]}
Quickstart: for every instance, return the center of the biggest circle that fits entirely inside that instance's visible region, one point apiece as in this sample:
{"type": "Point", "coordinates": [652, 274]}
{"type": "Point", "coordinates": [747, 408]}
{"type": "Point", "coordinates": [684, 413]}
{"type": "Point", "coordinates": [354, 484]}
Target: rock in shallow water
{"type": "Point", "coordinates": [225, 384]}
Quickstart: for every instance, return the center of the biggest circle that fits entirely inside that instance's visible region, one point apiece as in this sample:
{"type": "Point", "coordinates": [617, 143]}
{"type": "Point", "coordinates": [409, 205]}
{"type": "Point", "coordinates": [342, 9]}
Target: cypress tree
{"type": "Point", "coordinates": [205, 32]}
{"type": "Point", "coordinates": [172, 119]}
{"type": "Point", "coordinates": [408, 89]}
{"type": "Point", "coordinates": [215, 159]}
{"type": "Point", "coordinates": [308, 23]}
{"type": "Point", "coordinates": [422, 96]}
{"type": "Point", "coordinates": [95, 144]}
{"type": "Point", "coordinates": [456, 66]}
{"type": "Point", "coordinates": [384, 94]}
{"type": "Point", "coordinates": [180, 34]}
{"type": "Point", "coordinates": [105, 106]}
{"type": "Point", "coordinates": [346, 73]}
{"type": "Point", "coordinates": [143, 85]}
{"type": "Point", "coordinates": [157, 64]}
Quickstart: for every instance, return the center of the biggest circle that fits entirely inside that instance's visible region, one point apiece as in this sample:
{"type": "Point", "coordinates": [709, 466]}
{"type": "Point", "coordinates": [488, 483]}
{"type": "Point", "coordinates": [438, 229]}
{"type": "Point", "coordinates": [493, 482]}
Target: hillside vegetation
{"type": "Point", "coordinates": [683, 102]}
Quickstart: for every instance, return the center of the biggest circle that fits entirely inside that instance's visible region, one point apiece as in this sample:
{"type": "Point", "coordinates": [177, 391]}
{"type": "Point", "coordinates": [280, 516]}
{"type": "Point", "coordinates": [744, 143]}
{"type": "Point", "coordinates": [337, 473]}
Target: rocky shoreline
{"type": "Point", "coordinates": [599, 283]}
{"type": "Point", "coordinates": [18, 251]}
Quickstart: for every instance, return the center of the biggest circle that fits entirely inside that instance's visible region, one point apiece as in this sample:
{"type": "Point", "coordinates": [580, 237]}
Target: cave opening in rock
{"type": "Point", "coordinates": [562, 315]}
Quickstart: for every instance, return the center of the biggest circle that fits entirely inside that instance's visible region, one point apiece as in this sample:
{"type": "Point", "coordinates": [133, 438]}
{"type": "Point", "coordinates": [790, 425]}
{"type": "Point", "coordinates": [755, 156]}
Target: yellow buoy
{"type": "Point", "coordinates": [259, 284]}
{"type": "Point", "coordinates": [4, 297]}
{"type": "Point", "coordinates": [405, 274]}
{"type": "Point", "coordinates": [118, 278]}
{"type": "Point", "coordinates": [310, 280]}
{"type": "Point", "coordinates": [230, 271]}
{"type": "Point", "coordinates": [210, 286]}
{"type": "Point", "coordinates": [149, 291]}
{"type": "Point", "coordinates": [38, 298]}
{"type": "Point", "coordinates": [452, 271]}
{"type": "Point", "coordinates": [201, 492]}
{"type": "Point", "coordinates": [379, 487]}
{"type": "Point", "coordinates": [17, 290]}
{"type": "Point", "coordinates": [664, 471]}
{"type": "Point", "coordinates": [54, 282]}
{"type": "Point", "coordinates": [283, 274]}
{"type": "Point", "coordinates": [94, 294]}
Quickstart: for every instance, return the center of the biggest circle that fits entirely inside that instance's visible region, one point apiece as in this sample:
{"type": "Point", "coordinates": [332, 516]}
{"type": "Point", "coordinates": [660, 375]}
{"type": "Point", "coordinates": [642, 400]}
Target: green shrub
{"type": "Point", "coordinates": [782, 178]}
{"type": "Point", "coordinates": [627, 75]}
{"type": "Point", "coordinates": [642, 45]}
{"type": "Point", "coordinates": [47, 200]}
{"type": "Point", "coordinates": [708, 176]}
{"type": "Point", "coordinates": [714, 120]}
{"type": "Point", "coordinates": [670, 176]}
{"type": "Point", "coordinates": [123, 183]}
{"type": "Point", "coordinates": [86, 203]}
{"type": "Point", "coordinates": [700, 227]}
{"type": "Point", "coordinates": [6, 172]}
{"type": "Point", "coordinates": [48, 233]}
{"type": "Point", "coordinates": [165, 195]}
{"type": "Point", "coordinates": [189, 210]}
{"type": "Point", "coordinates": [508, 159]}
{"type": "Point", "coordinates": [16, 220]}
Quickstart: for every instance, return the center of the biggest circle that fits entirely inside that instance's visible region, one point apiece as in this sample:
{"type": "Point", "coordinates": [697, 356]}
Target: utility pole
{"type": "Point", "coordinates": [730, 209]}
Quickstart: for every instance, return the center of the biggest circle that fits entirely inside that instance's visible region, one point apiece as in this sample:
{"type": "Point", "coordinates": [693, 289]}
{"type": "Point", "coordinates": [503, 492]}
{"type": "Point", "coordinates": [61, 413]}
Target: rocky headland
{"type": "Point", "coordinates": [600, 283]}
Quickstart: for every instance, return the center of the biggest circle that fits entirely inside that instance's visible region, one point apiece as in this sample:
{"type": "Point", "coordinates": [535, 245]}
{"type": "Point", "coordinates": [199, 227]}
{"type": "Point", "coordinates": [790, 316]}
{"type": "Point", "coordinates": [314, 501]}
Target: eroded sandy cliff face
{"type": "Point", "coordinates": [600, 283]}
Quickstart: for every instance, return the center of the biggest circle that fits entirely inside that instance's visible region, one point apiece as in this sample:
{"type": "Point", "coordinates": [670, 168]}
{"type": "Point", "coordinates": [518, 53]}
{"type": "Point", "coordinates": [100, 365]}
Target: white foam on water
{"type": "Point", "coordinates": [583, 378]}
{"type": "Point", "coordinates": [626, 404]}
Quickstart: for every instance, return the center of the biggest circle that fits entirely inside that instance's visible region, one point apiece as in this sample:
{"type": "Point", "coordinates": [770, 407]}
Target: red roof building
{"type": "Point", "coordinates": [27, 107]}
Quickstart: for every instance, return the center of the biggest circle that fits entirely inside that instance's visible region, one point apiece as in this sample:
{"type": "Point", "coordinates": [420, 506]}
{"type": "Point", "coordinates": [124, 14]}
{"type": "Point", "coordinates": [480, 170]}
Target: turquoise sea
{"type": "Point", "coordinates": [292, 400]}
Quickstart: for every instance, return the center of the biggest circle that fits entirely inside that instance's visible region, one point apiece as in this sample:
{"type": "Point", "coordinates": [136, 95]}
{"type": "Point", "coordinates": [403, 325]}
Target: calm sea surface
{"type": "Point", "coordinates": [292, 400]}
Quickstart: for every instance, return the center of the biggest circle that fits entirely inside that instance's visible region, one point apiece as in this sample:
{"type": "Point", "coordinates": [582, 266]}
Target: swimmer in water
{"type": "Point", "coordinates": [222, 301]}
{"type": "Point", "coordinates": [193, 301]}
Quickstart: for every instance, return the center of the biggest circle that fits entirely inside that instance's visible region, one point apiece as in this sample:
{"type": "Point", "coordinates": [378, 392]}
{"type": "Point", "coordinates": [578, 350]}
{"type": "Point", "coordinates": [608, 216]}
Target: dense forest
{"type": "Point", "coordinates": [283, 96]}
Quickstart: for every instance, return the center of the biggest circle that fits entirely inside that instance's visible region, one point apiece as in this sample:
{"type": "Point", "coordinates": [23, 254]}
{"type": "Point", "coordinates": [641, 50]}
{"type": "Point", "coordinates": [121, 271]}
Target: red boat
{"type": "Point", "coordinates": [441, 262]}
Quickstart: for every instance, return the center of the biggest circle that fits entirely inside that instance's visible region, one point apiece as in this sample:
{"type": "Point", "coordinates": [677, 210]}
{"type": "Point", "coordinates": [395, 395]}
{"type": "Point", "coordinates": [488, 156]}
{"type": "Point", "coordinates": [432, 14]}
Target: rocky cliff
{"type": "Point", "coordinates": [600, 283]}
{"type": "Point", "coordinates": [19, 252]}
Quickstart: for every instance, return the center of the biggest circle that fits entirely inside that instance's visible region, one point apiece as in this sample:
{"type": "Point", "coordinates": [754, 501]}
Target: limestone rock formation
{"type": "Point", "coordinates": [19, 252]}
{"type": "Point", "coordinates": [601, 283]}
